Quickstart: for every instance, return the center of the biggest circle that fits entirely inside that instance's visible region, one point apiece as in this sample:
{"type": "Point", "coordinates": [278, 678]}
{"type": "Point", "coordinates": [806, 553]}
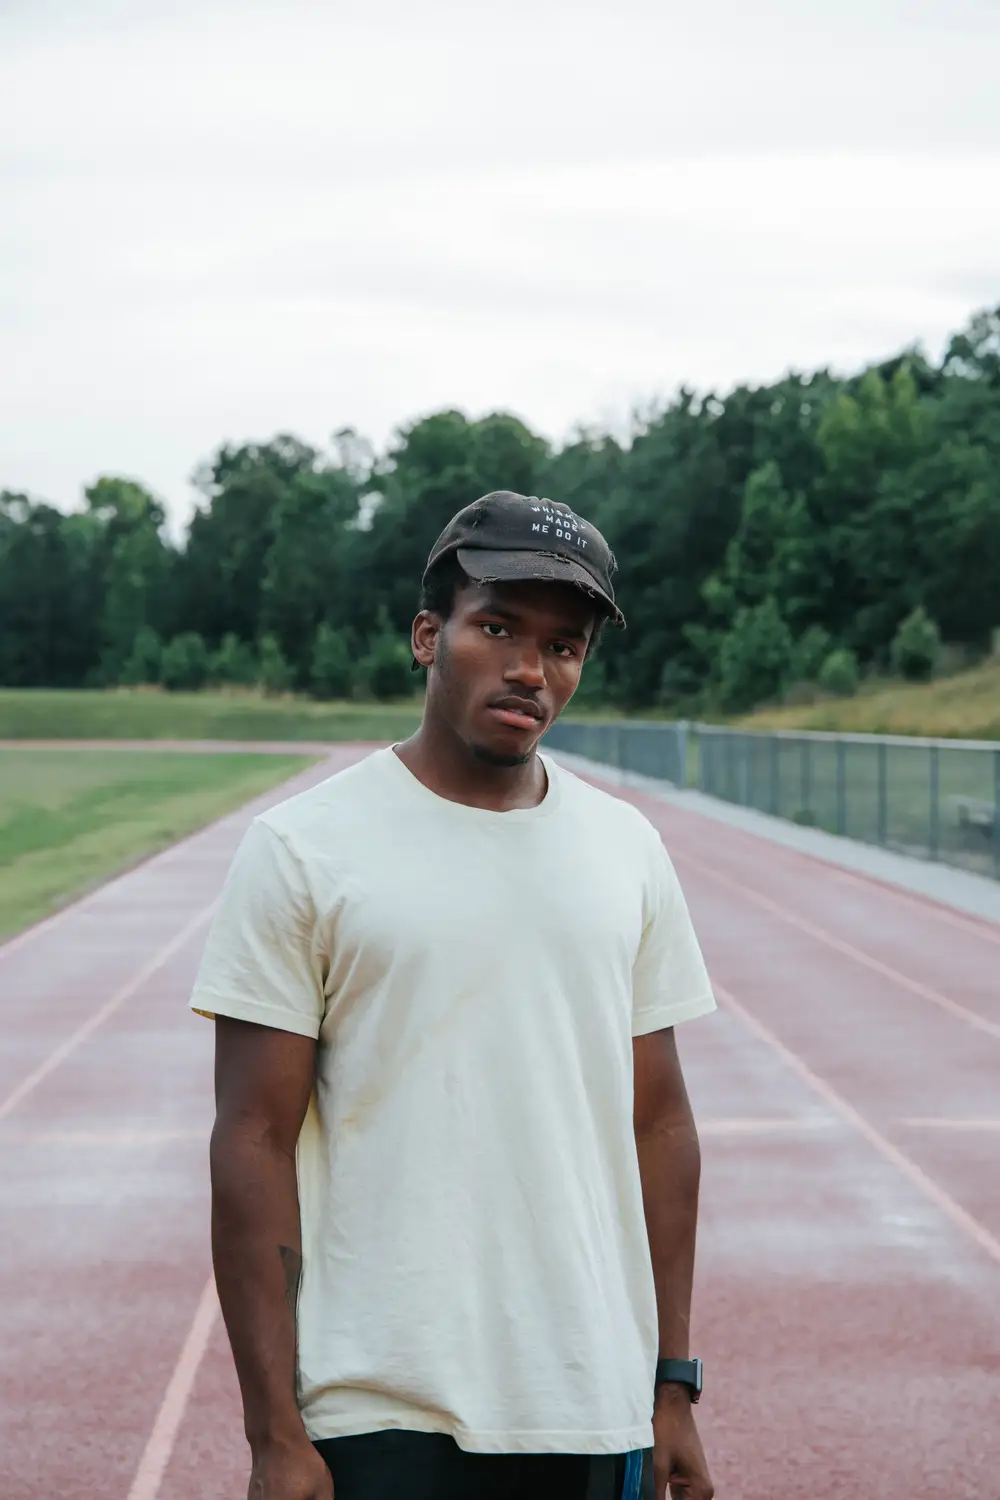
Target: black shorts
{"type": "Point", "coordinates": [398, 1465]}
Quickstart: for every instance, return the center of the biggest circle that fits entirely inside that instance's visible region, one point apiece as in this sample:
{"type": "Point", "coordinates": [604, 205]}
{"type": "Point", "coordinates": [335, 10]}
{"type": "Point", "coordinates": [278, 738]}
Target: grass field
{"type": "Point", "coordinates": [71, 818]}
{"type": "Point", "coordinates": [966, 706]}
{"type": "Point", "coordinates": [141, 714]}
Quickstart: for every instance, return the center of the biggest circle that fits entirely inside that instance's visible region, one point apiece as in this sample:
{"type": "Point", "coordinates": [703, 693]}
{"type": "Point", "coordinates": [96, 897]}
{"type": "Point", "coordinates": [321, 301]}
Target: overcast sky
{"type": "Point", "coordinates": [223, 219]}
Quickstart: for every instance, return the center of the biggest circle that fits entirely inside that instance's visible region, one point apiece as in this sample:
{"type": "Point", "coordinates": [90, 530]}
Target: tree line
{"type": "Point", "coordinates": [802, 532]}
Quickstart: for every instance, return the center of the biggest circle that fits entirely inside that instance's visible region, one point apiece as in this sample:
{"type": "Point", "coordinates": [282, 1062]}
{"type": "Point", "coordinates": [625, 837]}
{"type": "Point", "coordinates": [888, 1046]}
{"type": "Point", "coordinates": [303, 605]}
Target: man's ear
{"type": "Point", "coordinates": [424, 637]}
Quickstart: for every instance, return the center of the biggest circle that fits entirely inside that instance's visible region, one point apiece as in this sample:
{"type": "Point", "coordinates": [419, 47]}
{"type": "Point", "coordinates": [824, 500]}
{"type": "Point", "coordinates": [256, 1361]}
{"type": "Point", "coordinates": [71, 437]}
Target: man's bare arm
{"type": "Point", "coordinates": [670, 1169]}
{"type": "Point", "coordinates": [263, 1081]}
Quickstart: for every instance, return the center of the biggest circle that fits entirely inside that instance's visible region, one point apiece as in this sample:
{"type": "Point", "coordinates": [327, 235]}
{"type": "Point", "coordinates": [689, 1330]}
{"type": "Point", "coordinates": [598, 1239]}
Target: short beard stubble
{"type": "Point", "coordinates": [494, 758]}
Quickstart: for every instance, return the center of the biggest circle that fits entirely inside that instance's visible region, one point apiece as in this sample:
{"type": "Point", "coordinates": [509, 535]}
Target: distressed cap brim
{"type": "Point", "coordinates": [484, 565]}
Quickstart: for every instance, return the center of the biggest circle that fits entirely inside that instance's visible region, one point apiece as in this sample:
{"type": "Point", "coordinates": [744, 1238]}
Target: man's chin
{"type": "Point", "coordinates": [501, 758]}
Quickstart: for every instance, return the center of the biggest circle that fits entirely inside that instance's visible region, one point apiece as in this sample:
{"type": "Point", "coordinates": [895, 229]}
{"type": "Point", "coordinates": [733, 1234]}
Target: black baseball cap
{"type": "Point", "coordinates": [510, 538]}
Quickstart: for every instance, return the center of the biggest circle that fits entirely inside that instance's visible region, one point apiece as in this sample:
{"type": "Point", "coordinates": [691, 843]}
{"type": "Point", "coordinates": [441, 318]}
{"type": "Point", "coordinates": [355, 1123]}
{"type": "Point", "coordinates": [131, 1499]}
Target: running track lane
{"type": "Point", "coordinates": [849, 1270]}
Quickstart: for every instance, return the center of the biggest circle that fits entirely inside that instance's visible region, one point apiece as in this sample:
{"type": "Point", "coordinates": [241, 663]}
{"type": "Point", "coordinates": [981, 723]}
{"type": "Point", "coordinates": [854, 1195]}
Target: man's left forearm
{"type": "Point", "coordinates": [670, 1170]}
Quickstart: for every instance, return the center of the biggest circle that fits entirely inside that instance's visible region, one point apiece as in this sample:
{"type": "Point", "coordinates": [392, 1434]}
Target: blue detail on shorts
{"type": "Point", "coordinates": [632, 1483]}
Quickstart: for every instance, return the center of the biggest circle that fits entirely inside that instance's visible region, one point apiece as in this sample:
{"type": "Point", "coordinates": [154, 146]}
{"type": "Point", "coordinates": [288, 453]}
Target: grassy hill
{"type": "Point", "coordinates": [148, 714]}
{"type": "Point", "coordinates": [966, 706]}
{"type": "Point", "coordinates": [144, 714]}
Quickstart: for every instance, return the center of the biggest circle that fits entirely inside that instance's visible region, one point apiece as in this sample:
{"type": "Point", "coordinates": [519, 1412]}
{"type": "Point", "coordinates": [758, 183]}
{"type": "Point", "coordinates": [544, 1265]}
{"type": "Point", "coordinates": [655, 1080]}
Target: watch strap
{"type": "Point", "coordinates": [680, 1372]}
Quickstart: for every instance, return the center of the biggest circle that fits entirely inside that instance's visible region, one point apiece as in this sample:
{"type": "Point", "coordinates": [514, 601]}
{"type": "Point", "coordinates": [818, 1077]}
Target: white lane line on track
{"type": "Point", "coordinates": [867, 960]}
{"type": "Point", "coordinates": [927, 905]}
{"type": "Point", "coordinates": [916, 1175]}
{"type": "Point", "coordinates": [83, 1031]}
{"type": "Point", "coordinates": [160, 1444]}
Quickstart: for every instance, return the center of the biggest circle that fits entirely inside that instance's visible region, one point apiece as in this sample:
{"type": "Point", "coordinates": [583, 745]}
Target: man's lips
{"type": "Point", "coordinates": [517, 713]}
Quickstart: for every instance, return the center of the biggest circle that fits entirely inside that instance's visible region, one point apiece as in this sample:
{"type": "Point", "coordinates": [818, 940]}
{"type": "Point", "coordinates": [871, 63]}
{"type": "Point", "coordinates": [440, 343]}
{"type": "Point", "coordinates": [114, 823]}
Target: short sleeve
{"type": "Point", "coordinates": [260, 961]}
{"type": "Point", "coordinates": [669, 980]}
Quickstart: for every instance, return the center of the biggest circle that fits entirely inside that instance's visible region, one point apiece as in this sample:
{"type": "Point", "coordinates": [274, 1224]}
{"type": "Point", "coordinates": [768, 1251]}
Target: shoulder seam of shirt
{"type": "Point", "coordinates": [605, 796]}
{"type": "Point", "coordinates": [293, 855]}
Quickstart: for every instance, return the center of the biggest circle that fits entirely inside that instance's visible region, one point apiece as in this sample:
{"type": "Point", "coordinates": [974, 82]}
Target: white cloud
{"type": "Point", "coordinates": [225, 220]}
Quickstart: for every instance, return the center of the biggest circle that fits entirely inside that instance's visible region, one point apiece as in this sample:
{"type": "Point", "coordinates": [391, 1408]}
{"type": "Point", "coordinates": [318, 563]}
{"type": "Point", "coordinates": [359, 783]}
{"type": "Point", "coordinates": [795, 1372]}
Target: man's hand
{"type": "Point", "coordinates": [679, 1466]}
{"type": "Point", "coordinates": [289, 1471]}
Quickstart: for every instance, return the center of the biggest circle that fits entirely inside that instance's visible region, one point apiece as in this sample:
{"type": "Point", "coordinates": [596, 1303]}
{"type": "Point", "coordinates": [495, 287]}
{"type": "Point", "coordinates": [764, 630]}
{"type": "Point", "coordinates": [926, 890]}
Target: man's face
{"type": "Point", "coordinates": [505, 663]}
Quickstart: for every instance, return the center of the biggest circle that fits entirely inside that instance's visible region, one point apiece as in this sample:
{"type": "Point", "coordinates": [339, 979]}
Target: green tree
{"type": "Point", "coordinates": [145, 659]}
{"type": "Point", "coordinates": [810, 653]}
{"type": "Point", "coordinates": [220, 576]}
{"type": "Point", "coordinates": [872, 560]}
{"type": "Point", "coordinates": [184, 663]}
{"type": "Point", "coordinates": [275, 673]}
{"type": "Point", "coordinates": [771, 555]}
{"type": "Point", "coordinates": [332, 666]}
{"type": "Point", "coordinates": [669, 521]}
{"type": "Point", "coordinates": [974, 354]}
{"type": "Point", "coordinates": [134, 563]}
{"type": "Point", "coordinates": [385, 670]}
{"type": "Point", "coordinates": [840, 674]}
{"type": "Point", "coordinates": [306, 561]}
{"type": "Point", "coordinates": [593, 689]}
{"type": "Point", "coordinates": [432, 469]}
{"type": "Point", "coordinates": [755, 658]}
{"type": "Point", "coordinates": [50, 595]}
{"type": "Point", "coordinates": [916, 646]}
{"type": "Point", "coordinates": [234, 664]}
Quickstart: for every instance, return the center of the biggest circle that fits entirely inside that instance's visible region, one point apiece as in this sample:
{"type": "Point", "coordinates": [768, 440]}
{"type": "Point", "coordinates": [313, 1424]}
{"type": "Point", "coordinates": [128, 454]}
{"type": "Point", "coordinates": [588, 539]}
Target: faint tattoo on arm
{"type": "Point", "coordinates": [291, 1262]}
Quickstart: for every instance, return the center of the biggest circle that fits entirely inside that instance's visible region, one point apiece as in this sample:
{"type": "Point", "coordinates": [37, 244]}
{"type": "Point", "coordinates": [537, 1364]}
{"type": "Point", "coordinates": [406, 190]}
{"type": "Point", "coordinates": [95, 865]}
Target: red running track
{"type": "Point", "coordinates": [848, 1297]}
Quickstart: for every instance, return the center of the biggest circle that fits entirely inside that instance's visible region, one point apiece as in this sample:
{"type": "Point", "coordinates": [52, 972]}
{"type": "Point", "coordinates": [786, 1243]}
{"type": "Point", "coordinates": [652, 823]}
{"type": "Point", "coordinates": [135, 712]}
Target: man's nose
{"type": "Point", "coordinates": [527, 667]}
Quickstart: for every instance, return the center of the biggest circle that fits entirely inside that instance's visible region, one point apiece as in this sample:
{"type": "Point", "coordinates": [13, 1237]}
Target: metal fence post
{"type": "Point", "coordinates": [806, 775]}
{"type": "Point", "coordinates": [883, 793]}
{"type": "Point", "coordinates": [996, 813]}
{"type": "Point", "coordinates": [934, 820]}
{"type": "Point", "coordinates": [841, 787]}
{"type": "Point", "coordinates": [775, 800]}
{"type": "Point", "coordinates": [681, 749]}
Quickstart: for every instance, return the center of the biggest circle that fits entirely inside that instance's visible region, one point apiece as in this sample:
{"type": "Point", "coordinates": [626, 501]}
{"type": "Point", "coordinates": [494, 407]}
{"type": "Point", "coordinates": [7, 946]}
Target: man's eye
{"type": "Point", "coordinates": [562, 649]}
{"type": "Point", "coordinates": [493, 630]}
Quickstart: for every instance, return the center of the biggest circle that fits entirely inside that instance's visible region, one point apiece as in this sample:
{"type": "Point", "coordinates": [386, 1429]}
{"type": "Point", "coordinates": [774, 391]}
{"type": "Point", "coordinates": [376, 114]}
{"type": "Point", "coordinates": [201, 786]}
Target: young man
{"type": "Point", "coordinates": [454, 1167]}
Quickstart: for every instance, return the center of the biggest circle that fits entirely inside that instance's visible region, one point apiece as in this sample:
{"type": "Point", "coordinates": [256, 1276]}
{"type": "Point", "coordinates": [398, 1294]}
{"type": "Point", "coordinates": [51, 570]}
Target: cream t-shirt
{"type": "Point", "coordinates": [475, 1258]}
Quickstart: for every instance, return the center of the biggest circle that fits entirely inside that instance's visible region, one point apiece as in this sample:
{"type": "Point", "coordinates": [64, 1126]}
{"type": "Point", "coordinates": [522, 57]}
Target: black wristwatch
{"type": "Point", "coordinates": [681, 1372]}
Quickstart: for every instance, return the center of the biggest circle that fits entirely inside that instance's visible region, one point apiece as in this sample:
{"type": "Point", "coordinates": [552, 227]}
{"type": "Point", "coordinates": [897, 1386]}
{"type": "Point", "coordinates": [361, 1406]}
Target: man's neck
{"type": "Point", "coordinates": [438, 758]}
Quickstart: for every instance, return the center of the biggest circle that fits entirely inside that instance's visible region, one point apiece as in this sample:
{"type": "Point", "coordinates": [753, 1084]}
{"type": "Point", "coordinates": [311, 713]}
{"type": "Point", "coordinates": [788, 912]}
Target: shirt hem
{"type": "Point", "coordinates": [670, 1015]}
{"type": "Point", "coordinates": [614, 1440]}
{"type": "Point", "coordinates": [250, 1010]}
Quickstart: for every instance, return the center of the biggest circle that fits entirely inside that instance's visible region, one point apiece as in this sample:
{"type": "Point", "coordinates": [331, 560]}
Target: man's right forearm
{"type": "Point", "coordinates": [257, 1251]}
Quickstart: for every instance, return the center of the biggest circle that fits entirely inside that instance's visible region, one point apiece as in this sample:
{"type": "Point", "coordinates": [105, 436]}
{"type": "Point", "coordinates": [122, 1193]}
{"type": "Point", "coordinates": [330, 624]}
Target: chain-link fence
{"type": "Point", "coordinates": [937, 799]}
{"type": "Point", "coordinates": [657, 750]}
